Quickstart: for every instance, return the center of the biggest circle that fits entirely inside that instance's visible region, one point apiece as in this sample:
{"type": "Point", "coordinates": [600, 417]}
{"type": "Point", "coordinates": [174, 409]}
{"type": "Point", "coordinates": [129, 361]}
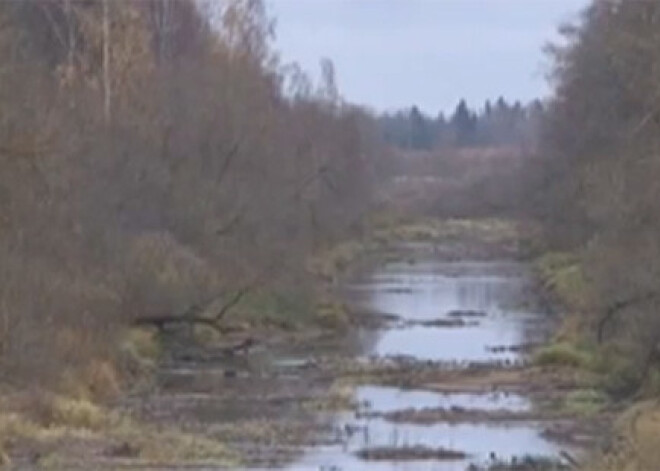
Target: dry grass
{"type": "Point", "coordinates": [143, 344]}
{"type": "Point", "coordinates": [340, 397]}
{"type": "Point", "coordinates": [636, 445]}
{"type": "Point", "coordinates": [52, 419]}
{"type": "Point", "coordinates": [77, 414]}
{"type": "Point", "coordinates": [329, 264]}
{"type": "Point", "coordinates": [169, 445]}
{"type": "Point", "coordinates": [332, 315]}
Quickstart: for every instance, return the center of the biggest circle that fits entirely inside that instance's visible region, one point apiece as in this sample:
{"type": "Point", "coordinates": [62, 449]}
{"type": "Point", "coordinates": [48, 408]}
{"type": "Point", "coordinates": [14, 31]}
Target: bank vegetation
{"type": "Point", "coordinates": [160, 165]}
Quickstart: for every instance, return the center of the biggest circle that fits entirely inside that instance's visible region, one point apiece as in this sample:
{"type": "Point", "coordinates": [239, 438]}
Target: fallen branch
{"type": "Point", "coordinates": [230, 225]}
{"type": "Point", "coordinates": [197, 313]}
{"type": "Point", "coordinates": [160, 322]}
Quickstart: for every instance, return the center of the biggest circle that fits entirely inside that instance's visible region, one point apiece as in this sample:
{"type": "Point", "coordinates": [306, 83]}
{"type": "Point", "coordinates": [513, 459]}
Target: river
{"type": "Point", "coordinates": [499, 297]}
{"type": "Point", "coordinates": [455, 315]}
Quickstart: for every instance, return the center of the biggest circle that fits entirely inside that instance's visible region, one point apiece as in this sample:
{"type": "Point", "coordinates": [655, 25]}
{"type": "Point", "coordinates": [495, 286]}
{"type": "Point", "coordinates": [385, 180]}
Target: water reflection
{"type": "Point", "coordinates": [433, 290]}
{"type": "Point", "coordinates": [428, 291]}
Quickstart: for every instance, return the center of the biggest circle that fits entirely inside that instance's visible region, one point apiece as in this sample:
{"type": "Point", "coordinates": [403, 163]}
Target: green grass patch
{"type": "Point", "coordinates": [446, 231]}
{"type": "Point", "coordinates": [585, 402]}
{"type": "Point", "coordinates": [563, 354]}
{"type": "Point", "coordinates": [286, 309]}
{"type": "Point", "coordinates": [562, 274]}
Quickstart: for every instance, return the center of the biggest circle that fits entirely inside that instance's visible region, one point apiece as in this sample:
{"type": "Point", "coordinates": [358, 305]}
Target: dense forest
{"type": "Point", "coordinates": [157, 156]}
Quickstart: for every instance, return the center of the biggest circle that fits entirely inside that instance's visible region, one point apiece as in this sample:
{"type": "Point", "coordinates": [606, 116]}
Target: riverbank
{"type": "Point", "coordinates": [610, 379]}
{"type": "Point", "coordinates": [213, 406]}
{"type": "Point", "coordinates": [464, 368]}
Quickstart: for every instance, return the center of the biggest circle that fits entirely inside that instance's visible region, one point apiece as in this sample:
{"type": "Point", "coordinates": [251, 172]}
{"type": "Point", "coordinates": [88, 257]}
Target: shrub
{"type": "Point", "coordinates": [332, 315]}
{"type": "Point", "coordinates": [562, 354]}
{"type": "Point", "coordinates": [562, 274]}
{"type": "Point", "coordinates": [164, 276]}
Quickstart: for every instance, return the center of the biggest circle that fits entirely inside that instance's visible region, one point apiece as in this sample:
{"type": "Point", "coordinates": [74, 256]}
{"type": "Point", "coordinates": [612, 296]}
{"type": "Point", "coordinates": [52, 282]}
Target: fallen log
{"type": "Point", "coordinates": [161, 322]}
{"type": "Point", "coordinates": [197, 314]}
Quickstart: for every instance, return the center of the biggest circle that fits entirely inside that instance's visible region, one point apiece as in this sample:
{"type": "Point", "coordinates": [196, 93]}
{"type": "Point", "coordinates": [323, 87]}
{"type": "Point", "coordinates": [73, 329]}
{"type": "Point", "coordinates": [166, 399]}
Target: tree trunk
{"type": "Point", "coordinates": [107, 88]}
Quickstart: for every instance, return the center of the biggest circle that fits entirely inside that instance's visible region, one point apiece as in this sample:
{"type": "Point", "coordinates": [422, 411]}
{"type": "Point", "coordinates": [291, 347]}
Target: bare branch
{"type": "Point", "coordinates": [45, 7]}
{"type": "Point", "coordinates": [617, 307]}
{"type": "Point", "coordinates": [307, 182]}
{"type": "Point", "coordinates": [231, 224]}
{"type": "Point", "coordinates": [229, 158]}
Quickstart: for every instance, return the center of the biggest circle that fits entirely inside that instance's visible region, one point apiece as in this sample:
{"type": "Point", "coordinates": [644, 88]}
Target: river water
{"type": "Point", "coordinates": [454, 314]}
{"type": "Point", "coordinates": [502, 311]}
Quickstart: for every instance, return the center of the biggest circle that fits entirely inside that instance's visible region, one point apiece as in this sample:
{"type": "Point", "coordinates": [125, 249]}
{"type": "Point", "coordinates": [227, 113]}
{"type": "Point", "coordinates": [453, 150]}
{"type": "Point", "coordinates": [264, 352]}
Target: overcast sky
{"type": "Point", "coordinates": [396, 53]}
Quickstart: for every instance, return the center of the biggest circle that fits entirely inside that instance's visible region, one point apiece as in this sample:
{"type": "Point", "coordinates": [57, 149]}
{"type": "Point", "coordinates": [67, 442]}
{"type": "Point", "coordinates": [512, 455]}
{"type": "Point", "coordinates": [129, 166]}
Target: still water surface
{"type": "Point", "coordinates": [427, 291]}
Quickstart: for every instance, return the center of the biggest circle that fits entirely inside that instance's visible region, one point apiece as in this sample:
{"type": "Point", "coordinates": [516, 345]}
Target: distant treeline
{"type": "Point", "coordinates": [495, 124]}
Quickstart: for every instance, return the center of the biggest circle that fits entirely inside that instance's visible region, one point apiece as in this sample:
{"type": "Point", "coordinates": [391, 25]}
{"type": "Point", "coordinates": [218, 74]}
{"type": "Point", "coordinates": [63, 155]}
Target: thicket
{"type": "Point", "coordinates": [596, 181]}
{"type": "Point", "coordinates": [156, 159]}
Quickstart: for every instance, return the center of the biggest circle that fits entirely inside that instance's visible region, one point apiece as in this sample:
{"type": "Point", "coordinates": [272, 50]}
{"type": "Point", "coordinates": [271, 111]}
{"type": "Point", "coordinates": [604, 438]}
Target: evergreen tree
{"type": "Point", "coordinates": [464, 123]}
{"type": "Point", "coordinates": [420, 133]}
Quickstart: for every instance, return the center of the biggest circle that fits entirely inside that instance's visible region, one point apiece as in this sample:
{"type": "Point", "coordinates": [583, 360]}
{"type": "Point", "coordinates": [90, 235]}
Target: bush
{"type": "Point", "coordinates": [562, 275]}
{"type": "Point", "coordinates": [562, 354]}
{"type": "Point", "coordinates": [332, 315]}
{"type": "Point", "coordinates": [165, 277]}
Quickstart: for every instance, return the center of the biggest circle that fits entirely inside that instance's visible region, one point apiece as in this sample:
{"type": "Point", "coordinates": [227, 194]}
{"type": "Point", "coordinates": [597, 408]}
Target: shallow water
{"type": "Point", "coordinates": [427, 291]}
{"type": "Point", "coordinates": [389, 399]}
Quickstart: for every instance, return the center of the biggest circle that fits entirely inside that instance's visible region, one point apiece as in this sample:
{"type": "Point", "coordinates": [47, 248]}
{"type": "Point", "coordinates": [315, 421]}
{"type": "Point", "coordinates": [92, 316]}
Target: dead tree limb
{"type": "Point", "coordinates": [307, 182]}
{"type": "Point", "coordinates": [227, 161]}
{"type": "Point", "coordinates": [57, 31]}
{"type": "Point", "coordinates": [197, 314]}
{"type": "Point", "coordinates": [238, 296]}
{"type": "Point", "coordinates": [160, 322]}
{"type": "Point", "coordinates": [231, 224]}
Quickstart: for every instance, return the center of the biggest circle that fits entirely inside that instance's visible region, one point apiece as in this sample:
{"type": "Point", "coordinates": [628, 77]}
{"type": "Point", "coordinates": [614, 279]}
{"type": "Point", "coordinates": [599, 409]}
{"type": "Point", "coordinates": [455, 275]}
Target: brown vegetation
{"type": "Point", "coordinates": [595, 186]}
{"type": "Point", "coordinates": [159, 165]}
{"type": "Point", "coordinates": [596, 180]}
